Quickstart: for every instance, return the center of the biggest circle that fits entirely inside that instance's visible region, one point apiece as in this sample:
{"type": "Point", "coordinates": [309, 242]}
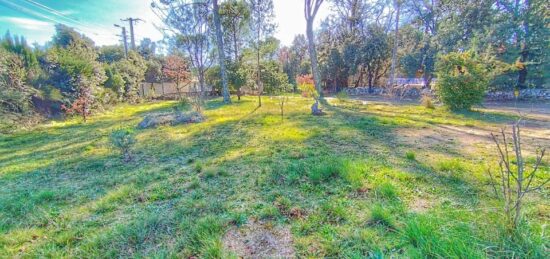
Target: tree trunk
{"type": "Point", "coordinates": [524, 50]}
{"type": "Point", "coordinates": [221, 53]}
{"type": "Point", "coordinates": [313, 57]}
{"type": "Point", "coordinates": [395, 45]}
{"type": "Point", "coordinates": [258, 76]}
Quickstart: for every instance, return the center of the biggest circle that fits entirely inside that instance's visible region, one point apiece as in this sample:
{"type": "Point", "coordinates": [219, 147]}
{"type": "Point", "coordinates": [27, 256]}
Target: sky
{"type": "Point", "coordinates": [35, 19]}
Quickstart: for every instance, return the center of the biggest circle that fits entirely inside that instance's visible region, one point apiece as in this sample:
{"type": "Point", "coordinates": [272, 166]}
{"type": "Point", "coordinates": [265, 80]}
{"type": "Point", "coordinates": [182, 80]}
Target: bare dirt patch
{"type": "Point", "coordinates": [260, 240]}
{"type": "Point", "coordinates": [421, 205]}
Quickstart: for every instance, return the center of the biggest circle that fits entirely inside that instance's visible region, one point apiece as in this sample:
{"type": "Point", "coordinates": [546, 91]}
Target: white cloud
{"type": "Point", "coordinates": [26, 23]}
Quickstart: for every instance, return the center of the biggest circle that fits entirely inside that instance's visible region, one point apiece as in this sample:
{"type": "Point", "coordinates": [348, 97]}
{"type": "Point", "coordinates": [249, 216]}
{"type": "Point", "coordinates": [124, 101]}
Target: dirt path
{"type": "Point", "coordinates": [475, 140]}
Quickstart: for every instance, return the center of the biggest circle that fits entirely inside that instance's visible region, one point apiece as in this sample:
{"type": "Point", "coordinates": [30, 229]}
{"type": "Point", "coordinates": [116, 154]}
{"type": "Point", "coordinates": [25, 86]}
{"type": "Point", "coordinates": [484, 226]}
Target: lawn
{"type": "Point", "coordinates": [367, 179]}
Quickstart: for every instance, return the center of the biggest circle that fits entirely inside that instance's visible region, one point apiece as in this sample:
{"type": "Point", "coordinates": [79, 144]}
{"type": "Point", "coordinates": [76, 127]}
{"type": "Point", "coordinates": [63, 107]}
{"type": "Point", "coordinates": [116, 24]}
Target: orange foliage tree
{"type": "Point", "coordinates": [177, 70]}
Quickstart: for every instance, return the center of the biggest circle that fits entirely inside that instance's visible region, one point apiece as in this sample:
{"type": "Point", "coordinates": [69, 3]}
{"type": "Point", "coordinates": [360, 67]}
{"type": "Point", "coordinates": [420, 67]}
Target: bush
{"type": "Point", "coordinates": [124, 140]}
{"type": "Point", "coordinates": [307, 86]}
{"type": "Point", "coordinates": [462, 80]}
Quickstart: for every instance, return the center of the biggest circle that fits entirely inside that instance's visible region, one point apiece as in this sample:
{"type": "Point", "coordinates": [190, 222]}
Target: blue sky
{"type": "Point", "coordinates": [35, 19]}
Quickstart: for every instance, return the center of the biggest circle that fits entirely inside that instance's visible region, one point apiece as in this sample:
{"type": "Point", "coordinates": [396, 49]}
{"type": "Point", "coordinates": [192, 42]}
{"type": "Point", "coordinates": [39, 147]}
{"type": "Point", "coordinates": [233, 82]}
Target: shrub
{"type": "Point", "coordinates": [124, 140]}
{"type": "Point", "coordinates": [307, 86]}
{"type": "Point", "coordinates": [462, 80]}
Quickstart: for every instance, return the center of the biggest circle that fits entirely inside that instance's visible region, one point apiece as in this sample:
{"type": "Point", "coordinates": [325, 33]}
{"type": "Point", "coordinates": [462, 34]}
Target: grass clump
{"type": "Point", "coordinates": [410, 155]}
{"type": "Point", "coordinates": [353, 172]}
{"type": "Point", "coordinates": [426, 236]}
{"type": "Point", "coordinates": [203, 237]}
{"type": "Point", "coordinates": [381, 216]}
{"type": "Point", "coordinates": [323, 171]}
{"type": "Point", "coordinates": [454, 167]}
{"type": "Point", "coordinates": [334, 211]}
{"type": "Point", "coordinates": [386, 190]}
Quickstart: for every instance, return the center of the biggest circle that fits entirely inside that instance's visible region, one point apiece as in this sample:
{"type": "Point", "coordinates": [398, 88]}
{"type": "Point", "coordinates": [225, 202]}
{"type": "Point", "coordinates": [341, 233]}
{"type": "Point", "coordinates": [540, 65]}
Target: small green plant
{"type": "Point", "coordinates": [198, 167]}
{"type": "Point", "coordinates": [124, 140]}
{"type": "Point", "coordinates": [410, 155]}
{"type": "Point", "coordinates": [462, 80]}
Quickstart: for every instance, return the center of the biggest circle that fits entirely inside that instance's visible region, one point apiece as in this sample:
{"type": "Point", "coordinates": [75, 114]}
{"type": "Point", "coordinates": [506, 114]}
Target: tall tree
{"type": "Point", "coordinates": [311, 7]}
{"type": "Point", "coordinates": [523, 33]}
{"type": "Point", "coordinates": [235, 17]}
{"type": "Point", "coordinates": [189, 21]}
{"type": "Point", "coordinates": [221, 49]}
{"type": "Point", "coordinates": [261, 26]}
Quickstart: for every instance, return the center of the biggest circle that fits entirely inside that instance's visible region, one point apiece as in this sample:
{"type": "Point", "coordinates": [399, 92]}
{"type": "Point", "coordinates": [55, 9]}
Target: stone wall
{"type": "Point", "coordinates": [415, 92]}
{"type": "Point", "coordinates": [527, 94]}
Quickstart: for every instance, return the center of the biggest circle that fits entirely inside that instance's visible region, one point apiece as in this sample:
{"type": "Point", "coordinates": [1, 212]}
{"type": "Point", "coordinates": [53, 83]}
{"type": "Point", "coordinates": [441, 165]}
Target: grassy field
{"type": "Point", "coordinates": [367, 179]}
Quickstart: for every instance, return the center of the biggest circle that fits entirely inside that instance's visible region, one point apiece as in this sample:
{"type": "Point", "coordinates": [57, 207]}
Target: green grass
{"type": "Point", "coordinates": [340, 182]}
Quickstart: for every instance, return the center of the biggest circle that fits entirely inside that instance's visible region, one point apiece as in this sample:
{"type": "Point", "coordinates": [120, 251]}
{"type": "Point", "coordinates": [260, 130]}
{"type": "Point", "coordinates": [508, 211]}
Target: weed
{"type": "Point", "coordinates": [410, 155]}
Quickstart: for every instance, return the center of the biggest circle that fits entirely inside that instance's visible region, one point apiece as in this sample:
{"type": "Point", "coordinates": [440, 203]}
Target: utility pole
{"type": "Point", "coordinates": [124, 39]}
{"type": "Point", "coordinates": [132, 21]}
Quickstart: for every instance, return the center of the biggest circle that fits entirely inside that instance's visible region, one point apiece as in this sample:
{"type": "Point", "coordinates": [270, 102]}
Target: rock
{"type": "Point", "coordinates": [174, 118]}
{"type": "Point", "coordinates": [315, 110]}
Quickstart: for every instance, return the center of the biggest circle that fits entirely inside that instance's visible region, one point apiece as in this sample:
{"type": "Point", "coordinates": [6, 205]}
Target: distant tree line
{"type": "Point", "coordinates": [230, 45]}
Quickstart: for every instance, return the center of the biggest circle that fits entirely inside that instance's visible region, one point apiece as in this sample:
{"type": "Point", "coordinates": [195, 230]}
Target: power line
{"type": "Point", "coordinates": [27, 11]}
{"type": "Point", "coordinates": [61, 15]}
